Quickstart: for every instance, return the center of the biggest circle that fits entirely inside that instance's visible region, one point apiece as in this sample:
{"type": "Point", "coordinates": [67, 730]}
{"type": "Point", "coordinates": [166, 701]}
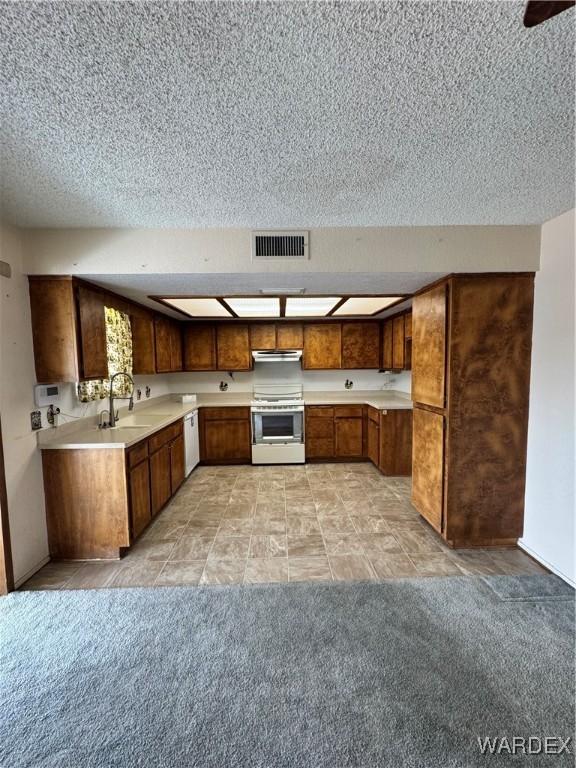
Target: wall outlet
{"type": "Point", "coordinates": [36, 419]}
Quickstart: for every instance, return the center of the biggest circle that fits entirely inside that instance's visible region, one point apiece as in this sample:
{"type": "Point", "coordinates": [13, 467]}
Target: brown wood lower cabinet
{"type": "Point", "coordinates": [428, 465]}
{"type": "Point", "coordinates": [225, 436]}
{"type": "Point", "coordinates": [177, 463]}
{"type": "Point", "coordinates": [374, 435]}
{"type": "Point", "coordinates": [139, 489]}
{"type": "Point", "coordinates": [160, 484]}
{"type": "Point", "coordinates": [99, 500]}
{"type": "Point", "coordinates": [395, 442]}
{"type": "Point", "coordinates": [319, 432]}
{"type": "Point", "coordinates": [348, 431]}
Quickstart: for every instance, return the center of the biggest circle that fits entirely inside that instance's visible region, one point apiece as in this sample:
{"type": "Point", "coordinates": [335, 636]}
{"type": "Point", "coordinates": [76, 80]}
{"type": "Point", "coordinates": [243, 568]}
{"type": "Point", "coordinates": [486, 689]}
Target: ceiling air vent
{"type": "Point", "coordinates": [285, 244]}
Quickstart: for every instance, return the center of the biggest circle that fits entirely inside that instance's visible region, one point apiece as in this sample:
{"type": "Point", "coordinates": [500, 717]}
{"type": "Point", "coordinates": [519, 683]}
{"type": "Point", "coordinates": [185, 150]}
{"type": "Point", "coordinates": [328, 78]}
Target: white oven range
{"type": "Point", "coordinates": [278, 425]}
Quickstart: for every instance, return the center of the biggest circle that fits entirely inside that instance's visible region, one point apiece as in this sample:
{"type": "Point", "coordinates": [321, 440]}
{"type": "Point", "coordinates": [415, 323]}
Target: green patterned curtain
{"type": "Point", "coordinates": [119, 350]}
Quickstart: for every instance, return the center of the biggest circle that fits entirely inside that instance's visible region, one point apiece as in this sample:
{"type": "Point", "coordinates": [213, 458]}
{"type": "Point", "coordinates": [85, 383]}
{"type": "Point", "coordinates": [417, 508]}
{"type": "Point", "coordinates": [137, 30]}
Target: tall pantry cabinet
{"type": "Point", "coordinates": [471, 348]}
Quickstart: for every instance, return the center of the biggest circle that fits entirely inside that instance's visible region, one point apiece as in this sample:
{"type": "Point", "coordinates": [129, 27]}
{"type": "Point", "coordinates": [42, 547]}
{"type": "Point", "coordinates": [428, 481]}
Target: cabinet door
{"type": "Point", "coordinates": [140, 511]}
{"type": "Point", "coordinates": [163, 345]}
{"type": "Point", "coordinates": [361, 345]}
{"type": "Point", "coordinates": [322, 346]}
{"type": "Point", "coordinates": [233, 347]}
{"type": "Point", "coordinates": [177, 465]}
{"type": "Point", "coordinates": [143, 347]}
{"type": "Point", "coordinates": [428, 465]}
{"type": "Point", "coordinates": [289, 336]}
{"type": "Point", "coordinates": [387, 338]}
{"type": "Point", "coordinates": [199, 347]}
{"type": "Point", "coordinates": [175, 346]}
{"type": "Point", "coordinates": [92, 334]}
{"type": "Point", "coordinates": [54, 334]}
{"type": "Point", "coordinates": [160, 482]}
{"type": "Point", "coordinates": [408, 325]}
{"type": "Point", "coordinates": [227, 441]}
{"type": "Point", "coordinates": [396, 442]}
{"type": "Point", "coordinates": [320, 432]}
{"type": "Point", "coordinates": [263, 336]}
{"type": "Point", "coordinates": [373, 442]}
{"type": "Point", "coordinates": [348, 437]}
{"type": "Point", "coordinates": [429, 347]}
{"type": "Point", "coordinates": [398, 343]}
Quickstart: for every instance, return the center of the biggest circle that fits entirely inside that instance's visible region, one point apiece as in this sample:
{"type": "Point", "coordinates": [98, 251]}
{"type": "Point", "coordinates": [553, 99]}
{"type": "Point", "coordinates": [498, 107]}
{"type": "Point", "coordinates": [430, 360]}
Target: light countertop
{"type": "Point", "coordinates": [151, 417]}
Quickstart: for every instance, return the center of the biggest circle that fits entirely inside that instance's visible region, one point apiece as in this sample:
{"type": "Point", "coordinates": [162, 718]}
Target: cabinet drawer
{"type": "Point", "coordinates": [348, 411]}
{"type": "Point", "coordinates": [320, 411]}
{"type": "Point", "coordinates": [138, 453]}
{"type": "Point", "coordinates": [225, 414]}
{"type": "Point", "coordinates": [165, 436]}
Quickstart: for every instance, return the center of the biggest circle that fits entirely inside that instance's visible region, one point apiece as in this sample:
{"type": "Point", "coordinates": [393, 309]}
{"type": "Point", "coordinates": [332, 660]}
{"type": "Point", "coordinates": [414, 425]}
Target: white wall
{"type": "Point", "coordinates": [269, 373]}
{"type": "Point", "coordinates": [22, 459]}
{"type": "Point", "coordinates": [344, 249]}
{"type": "Point", "coordinates": [549, 519]}
{"type": "Point", "coordinates": [71, 408]}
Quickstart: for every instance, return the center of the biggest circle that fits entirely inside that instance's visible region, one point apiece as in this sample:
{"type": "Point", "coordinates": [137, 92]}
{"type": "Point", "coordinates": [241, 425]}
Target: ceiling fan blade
{"type": "Point", "coordinates": [538, 11]}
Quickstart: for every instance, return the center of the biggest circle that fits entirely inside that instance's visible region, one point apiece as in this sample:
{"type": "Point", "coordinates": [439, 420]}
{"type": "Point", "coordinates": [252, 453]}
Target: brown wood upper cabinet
{"type": "Point", "coordinates": [199, 347]}
{"type": "Point", "coordinates": [276, 336]}
{"type": "Point", "coordinates": [168, 343]}
{"type": "Point", "coordinates": [396, 342]}
{"type": "Point", "coordinates": [54, 329]}
{"type": "Point", "coordinates": [263, 336]}
{"type": "Point", "coordinates": [233, 347]}
{"type": "Point", "coordinates": [387, 343]}
{"type": "Point", "coordinates": [322, 346]}
{"type": "Point", "coordinates": [68, 329]}
{"type": "Point", "coordinates": [360, 345]}
{"type": "Point", "coordinates": [289, 336]}
{"type": "Point", "coordinates": [94, 355]}
{"type": "Point", "coordinates": [143, 345]}
{"type": "Point", "coordinates": [429, 347]}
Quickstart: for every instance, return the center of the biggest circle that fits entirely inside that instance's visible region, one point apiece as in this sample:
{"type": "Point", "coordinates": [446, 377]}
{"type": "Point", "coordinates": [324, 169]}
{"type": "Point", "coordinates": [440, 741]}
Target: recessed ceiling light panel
{"type": "Point", "coordinates": [196, 307]}
{"type": "Point", "coordinates": [366, 305]}
{"type": "Point", "coordinates": [310, 306]}
{"type": "Point", "coordinates": [255, 307]}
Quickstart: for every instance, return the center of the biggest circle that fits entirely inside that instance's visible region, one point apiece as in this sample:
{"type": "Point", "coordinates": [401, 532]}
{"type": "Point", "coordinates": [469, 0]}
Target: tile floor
{"type": "Point", "coordinates": [319, 522]}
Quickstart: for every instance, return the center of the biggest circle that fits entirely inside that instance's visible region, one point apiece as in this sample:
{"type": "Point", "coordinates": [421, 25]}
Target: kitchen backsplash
{"type": "Point", "coordinates": [267, 373]}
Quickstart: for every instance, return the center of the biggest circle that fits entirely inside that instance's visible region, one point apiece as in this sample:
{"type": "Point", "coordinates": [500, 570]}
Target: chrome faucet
{"type": "Point", "coordinates": [113, 414]}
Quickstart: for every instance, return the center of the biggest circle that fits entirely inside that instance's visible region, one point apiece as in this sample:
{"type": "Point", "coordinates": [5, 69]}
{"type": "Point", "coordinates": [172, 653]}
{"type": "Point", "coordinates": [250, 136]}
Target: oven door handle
{"type": "Point", "coordinates": [260, 412]}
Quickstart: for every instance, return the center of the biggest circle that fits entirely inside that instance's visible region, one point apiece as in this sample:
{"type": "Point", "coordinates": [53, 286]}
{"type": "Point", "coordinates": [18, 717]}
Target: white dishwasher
{"type": "Point", "coordinates": [191, 441]}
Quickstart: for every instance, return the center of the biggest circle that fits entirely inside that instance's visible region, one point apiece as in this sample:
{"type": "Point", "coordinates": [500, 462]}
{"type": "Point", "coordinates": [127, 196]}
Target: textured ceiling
{"type": "Point", "coordinates": [284, 114]}
{"type": "Point", "coordinates": [139, 287]}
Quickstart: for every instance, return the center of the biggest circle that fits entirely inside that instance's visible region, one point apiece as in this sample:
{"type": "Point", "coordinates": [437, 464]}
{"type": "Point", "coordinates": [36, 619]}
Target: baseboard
{"type": "Point", "coordinates": [31, 572]}
{"type": "Point", "coordinates": [545, 563]}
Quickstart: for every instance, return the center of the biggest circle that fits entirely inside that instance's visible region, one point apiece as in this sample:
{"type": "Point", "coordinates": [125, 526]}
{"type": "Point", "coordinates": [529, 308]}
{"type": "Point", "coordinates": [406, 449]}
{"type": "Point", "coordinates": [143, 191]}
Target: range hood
{"type": "Point", "coordinates": [277, 356]}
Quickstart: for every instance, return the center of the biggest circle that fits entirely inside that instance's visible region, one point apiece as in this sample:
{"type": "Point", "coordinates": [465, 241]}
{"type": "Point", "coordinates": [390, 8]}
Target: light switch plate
{"type": "Point", "coordinates": [36, 419]}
